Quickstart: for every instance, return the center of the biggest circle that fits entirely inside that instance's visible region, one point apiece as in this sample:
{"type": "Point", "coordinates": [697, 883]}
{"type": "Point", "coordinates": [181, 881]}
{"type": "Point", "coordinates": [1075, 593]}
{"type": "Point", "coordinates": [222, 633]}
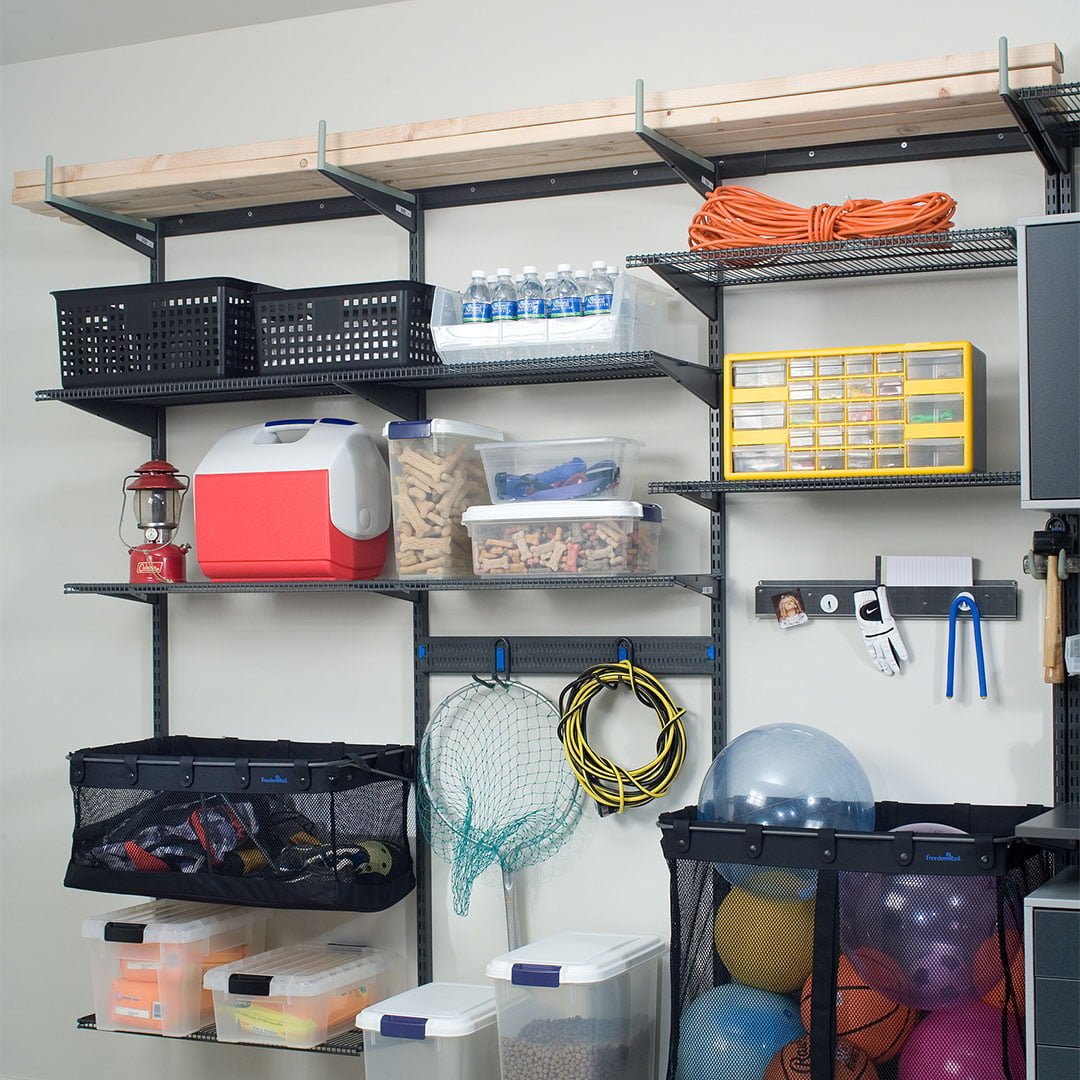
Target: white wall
{"type": "Point", "coordinates": [75, 669]}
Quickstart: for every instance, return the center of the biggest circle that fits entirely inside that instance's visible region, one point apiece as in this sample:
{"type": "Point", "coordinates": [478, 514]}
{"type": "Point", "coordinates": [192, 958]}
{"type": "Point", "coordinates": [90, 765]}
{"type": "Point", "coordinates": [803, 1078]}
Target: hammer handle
{"type": "Point", "coordinates": [1053, 643]}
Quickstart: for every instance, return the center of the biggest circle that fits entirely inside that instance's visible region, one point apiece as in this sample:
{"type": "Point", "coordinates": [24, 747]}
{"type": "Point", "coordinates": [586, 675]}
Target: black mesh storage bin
{"type": "Point", "coordinates": [272, 824]}
{"type": "Point", "coordinates": [907, 943]}
{"type": "Point", "coordinates": [349, 327]}
{"type": "Point", "coordinates": [169, 330]}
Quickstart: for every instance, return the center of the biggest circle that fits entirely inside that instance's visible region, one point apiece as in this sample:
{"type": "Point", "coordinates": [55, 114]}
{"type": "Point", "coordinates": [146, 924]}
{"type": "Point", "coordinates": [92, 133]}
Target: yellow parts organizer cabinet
{"type": "Point", "coordinates": [883, 410]}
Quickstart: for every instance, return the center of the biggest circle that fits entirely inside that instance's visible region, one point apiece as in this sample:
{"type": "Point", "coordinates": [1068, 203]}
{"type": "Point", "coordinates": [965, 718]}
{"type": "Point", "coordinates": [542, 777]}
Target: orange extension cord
{"type": "Point", "coordinates": [737, 217]}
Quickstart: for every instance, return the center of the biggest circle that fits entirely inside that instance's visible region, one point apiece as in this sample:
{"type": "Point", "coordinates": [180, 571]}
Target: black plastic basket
{"type": "Point", "coordinates": [271, 824]}
{"type": "Point", "coordinates": [847, 879]}
{"type": "Point", "coordinates": [348, 327]}
{"type": "Point", "coordinates": [201, 328]}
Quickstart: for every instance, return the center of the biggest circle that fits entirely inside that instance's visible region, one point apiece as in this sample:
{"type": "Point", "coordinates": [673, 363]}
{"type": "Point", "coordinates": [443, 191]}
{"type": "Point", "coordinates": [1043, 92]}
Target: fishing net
{"type": "Point", "coordinates": [493, 787]}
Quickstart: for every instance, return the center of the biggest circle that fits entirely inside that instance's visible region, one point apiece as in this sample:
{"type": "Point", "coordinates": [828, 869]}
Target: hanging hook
{"type": "Point", "coordinates": [502, 662]}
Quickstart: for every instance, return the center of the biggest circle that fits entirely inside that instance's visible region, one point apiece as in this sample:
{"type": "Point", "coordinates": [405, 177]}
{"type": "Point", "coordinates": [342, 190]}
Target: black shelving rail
{"type": "Point", "coordinates": [1045, 117]}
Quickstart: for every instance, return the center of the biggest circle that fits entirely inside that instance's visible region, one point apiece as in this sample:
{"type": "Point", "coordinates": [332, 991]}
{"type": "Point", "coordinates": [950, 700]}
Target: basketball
{"type": "Point", "coordinates": [794, 1061]}
{"type": "Point", "coordinates": [877, 1026]}
{"type": "Point", "coordinates": [768, 944]}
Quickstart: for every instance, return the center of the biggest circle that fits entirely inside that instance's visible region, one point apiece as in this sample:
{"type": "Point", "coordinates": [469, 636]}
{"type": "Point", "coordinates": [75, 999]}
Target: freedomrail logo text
{"type": "Point", "coordinates": [279, 779]}
{"type": "Point", "coordinates": [947, 857]}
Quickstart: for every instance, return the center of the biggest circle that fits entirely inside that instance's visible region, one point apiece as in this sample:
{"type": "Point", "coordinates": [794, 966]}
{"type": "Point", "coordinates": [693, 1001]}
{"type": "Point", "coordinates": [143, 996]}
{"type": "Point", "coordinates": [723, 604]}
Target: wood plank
{"type": "Point", "coordinates": [1020, 57]}
{"type": "Point", "coordinates": [913, 107]}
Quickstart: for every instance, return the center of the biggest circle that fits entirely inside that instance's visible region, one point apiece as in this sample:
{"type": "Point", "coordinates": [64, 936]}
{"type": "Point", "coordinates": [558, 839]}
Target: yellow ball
{"type": "Point", "coordinates": [765, 943]}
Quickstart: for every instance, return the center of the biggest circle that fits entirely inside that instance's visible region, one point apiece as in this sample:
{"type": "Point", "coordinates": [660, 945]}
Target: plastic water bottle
{"type": "Point", "coordinates": [504, 300]}
{"type": "Point", "coordinates": [581, 277]}
{"type": "Point", "coordinates": [549, 291]}
{"type": "Point", "coordinates": [612, 271]}
{"type": "Point", "coordinates": [565, 299]}
{"type": "Point", "coordinates": [531, 302]}
{"type": "Point", "coordinates": [598, 292]}
{"type": "Point", "coordinates": [476, 307]}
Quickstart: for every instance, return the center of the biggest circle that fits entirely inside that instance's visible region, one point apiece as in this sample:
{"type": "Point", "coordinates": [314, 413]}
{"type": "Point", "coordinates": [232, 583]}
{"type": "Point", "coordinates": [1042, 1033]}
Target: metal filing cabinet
{"type": "Point", "coordinates": [1052, 967]}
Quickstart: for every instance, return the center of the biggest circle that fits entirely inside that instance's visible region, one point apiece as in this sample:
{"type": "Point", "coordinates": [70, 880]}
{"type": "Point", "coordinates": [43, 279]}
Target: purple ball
{"type": "Point", "coordinates": [953, 1044]}
{"type": "Point", "coordinates": [914, 937]}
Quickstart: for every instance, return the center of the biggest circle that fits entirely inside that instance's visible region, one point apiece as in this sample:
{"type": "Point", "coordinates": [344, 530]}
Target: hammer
{"type": "Point", "coordinates": [1048, 559]}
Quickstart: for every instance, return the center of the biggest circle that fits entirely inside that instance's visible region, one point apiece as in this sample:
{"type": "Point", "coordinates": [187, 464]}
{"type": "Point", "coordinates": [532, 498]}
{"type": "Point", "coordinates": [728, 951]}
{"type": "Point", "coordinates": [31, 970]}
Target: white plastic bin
{"type": "Point", "coordinates": [602, 467]}
{"type": "Point", "coordinates": [638, 315]}
{"type": "Point", "coordinates": [147, 962]}
{"type": "Point", "coordinates": [436, 473]}
{"type": "Point", "coordinates": [574, 536]}
{"type": "Point", "coordinates": [579, 1006]}
{"type": "Point", "coordinates": [439, 1031]}
{"type": "Point", "coordinates": [300, 995]}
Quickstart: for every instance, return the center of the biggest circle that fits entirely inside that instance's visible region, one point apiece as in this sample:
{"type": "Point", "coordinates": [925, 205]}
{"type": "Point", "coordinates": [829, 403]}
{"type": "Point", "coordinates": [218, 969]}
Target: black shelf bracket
{"type": "Point", "coordinates": [136, 233]}
{"type": "Point", "coordinates": [703, 584]}
{"type": "Point", "coordinates": [691, 287]}
{"type": "Point", "coordinates": [1052, 155]}
{"type": "Point", "coordinates": [397, 205]}
{"type": "Point", "coordinates": [699, 172]}
{"type": "Point", "coordinates": [702, 382]}
{"type": "Point", "coordinates": [836, 599]}
{"type": "Point", "coordinates": [402, 401]}
{"type": "Point", "coordinates": [142, 419]}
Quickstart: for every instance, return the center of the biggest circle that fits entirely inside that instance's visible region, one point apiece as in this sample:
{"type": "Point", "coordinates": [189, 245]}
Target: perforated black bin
{"type": "Point", "coordinates": [271, 824]}
{"type": "Point", "coordinates": [925, 931]}
{"type": "Point", "coordinates": [201, 328]}
{"type": "Point", "coordinates": [349, 327]}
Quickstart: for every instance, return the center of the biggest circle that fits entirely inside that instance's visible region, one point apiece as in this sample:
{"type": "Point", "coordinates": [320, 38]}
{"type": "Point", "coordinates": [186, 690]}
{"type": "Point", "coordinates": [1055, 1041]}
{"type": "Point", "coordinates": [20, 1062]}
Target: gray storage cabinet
{"type": "Point", "coordinates": [1052, 975]}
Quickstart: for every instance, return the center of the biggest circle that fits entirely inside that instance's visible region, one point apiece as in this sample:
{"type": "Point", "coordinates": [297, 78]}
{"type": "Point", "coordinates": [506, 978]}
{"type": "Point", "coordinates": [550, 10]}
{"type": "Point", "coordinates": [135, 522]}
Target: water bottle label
{"type": "Point", "coordinates": [598, 304]}
{"type": "Point", "coordinates": [563, 306]}
{"type": "Point", "coordinates": [534, 307]}
{"type": "Point", "coordinates": [475, 311]}
{"type": "Point", "coordinates": [504, 310]}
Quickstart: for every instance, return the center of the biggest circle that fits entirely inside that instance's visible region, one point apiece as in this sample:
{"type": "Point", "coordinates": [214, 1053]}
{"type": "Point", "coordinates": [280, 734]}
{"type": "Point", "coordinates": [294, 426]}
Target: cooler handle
{"type": "Point", "coordinates": [269, 433]}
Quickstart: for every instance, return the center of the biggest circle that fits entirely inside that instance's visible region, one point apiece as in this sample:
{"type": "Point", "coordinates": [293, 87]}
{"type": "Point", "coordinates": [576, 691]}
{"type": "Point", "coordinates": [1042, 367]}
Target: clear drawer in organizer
{"type": "Point", "coordinates": [865, 411]}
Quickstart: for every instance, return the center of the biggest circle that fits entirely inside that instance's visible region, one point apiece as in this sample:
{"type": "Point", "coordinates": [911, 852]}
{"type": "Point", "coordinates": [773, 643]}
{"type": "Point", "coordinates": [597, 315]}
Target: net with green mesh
{"type": "Point", "coordinates": [493, 787]}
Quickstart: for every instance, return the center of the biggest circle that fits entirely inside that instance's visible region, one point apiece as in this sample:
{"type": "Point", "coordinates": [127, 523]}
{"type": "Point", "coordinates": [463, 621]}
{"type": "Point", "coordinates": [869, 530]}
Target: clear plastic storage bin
{"type": "Point", "coordinates": [436, 473]}
{"type": "Point", "coordinates": [574, 536]}
{"type": "Point", "coordinates": [300, 995]}
{"type": "Point", "coordinates": [591, 468]}
{"type": "Point", "coordinates": [579, 1007]}
{"type": "Point", "coordinates": [637, 322]}
{"type": "Point", "coordinates": [439, 1031]}
{"type": "Point", "coordinates": [147, 962]}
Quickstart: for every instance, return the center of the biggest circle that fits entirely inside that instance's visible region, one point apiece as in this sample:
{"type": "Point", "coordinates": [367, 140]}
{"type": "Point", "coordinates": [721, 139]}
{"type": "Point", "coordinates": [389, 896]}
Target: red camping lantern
{"type": "Point", "coordinates": [158, 497]}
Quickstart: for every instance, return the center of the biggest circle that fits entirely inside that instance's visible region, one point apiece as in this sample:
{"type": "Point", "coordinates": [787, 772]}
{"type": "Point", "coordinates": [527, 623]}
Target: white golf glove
{"type": "Point", "coordinates": [880, 635]}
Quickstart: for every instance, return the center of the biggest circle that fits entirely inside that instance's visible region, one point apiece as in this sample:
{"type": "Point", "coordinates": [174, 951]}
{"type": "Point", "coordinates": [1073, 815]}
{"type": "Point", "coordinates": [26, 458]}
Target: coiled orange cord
{"type": "Point", "coordinates": [736, 217]}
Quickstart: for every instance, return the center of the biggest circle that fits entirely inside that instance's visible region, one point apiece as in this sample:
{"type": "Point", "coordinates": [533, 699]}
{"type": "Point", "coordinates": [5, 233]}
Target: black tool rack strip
{"type": "Point", "coordinates": [836, 483]}
{"type": "Point", "coordinates": [961, 249]}
{"type": "Point", "coordinates": [408, 588]}
{"type": "Point", "coordinates": [351, 1044]}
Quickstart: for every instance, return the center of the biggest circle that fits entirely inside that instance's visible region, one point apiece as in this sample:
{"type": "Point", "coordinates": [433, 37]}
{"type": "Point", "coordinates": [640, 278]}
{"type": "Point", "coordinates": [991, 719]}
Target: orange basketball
{"type": "Point", "coordinates": [877, 1026]}
{"type": "Point", "coordinates": [988, 961]}
{"type": "Point", "coordinates": [794, 1061]}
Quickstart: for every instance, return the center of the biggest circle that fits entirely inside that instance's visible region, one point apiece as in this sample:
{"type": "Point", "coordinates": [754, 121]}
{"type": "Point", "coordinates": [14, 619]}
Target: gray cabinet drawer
{"type": "Point", "coordinates": [1057, 1063]}
{"type": "Point", "coordinates": [1057, 1012]}
{"type": "Point", "coordinates": [1057, 943]}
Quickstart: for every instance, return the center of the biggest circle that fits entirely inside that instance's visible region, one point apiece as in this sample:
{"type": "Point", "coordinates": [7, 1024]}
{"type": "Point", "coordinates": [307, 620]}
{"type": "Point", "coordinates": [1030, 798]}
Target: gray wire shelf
{"type": "Point", "coordinates": [351, 1044]}
{"type": "Point", "coordinates": [406, 588]}
{"type": "Point", "coordinates": [1057, 105]}
{"type": "Point", "coordinates": [836, 483]}
{"type": "Point", "coordinates": [633, 365]}
{"type": "Point", "coordinates": [961, 249]}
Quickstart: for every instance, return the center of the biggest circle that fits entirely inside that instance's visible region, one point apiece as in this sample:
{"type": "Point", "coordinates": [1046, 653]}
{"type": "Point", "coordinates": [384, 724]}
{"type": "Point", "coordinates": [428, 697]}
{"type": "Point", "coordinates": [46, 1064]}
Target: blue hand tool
{"type": "Point", "coordinates": [965, 601]}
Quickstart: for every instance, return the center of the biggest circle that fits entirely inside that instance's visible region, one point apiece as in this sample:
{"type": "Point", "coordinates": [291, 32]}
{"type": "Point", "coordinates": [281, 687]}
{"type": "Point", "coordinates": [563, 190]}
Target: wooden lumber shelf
{"type": "Point", "coordinates": [956, 93]}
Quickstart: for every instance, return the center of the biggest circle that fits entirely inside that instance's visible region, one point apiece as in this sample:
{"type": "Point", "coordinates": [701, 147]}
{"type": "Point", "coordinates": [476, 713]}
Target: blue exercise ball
{"type": "Point", "coordinates": [790, 776]}
{"type": "Point", "coordinates": [733, 1031]}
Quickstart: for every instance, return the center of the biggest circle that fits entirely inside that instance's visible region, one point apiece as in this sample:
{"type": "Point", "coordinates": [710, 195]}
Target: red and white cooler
{"type": "Point", "coordinates": [292, 500]}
